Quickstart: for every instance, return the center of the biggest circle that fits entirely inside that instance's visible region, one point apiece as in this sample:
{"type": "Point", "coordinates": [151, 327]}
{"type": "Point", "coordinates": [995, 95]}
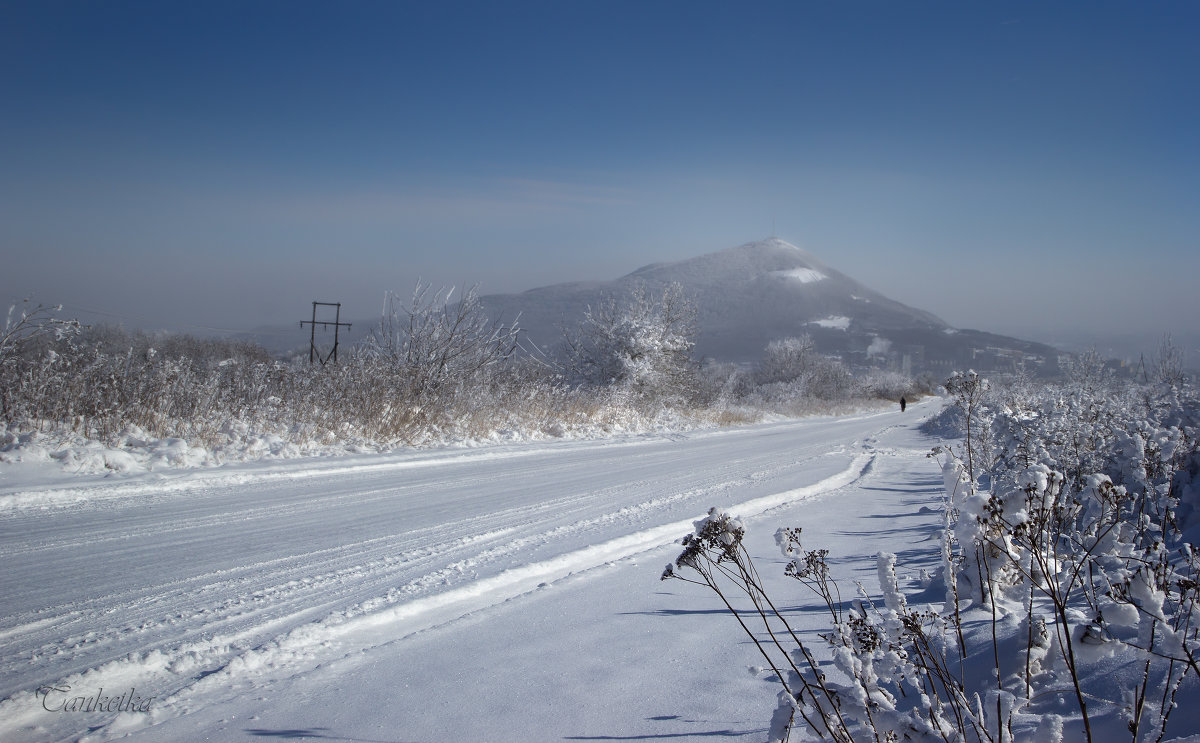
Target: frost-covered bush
{"type": "Point", "coordinates": [723, 382]}
{"type": "Point", "coordinates": [792, 371]}
{"type": "Point", "coordinates": [1072, 522]}
{"type": "Point", "coordinates": [435, 371]}
{"type": "Point", "coordinates": [1168, 367]}
{"type": "Point", "coordinates": [26, 331]}
{"type": "Point", "coordinates": [435, 347]}
{"type": "Point", "coordinates": [888, 385]}
{"type": "Point", "coordinates": [1067, 553]}
{"type": "Point", "coordinates": [642, 344]}
{"type": "Point", "coordinates": [895, 680]}
{"type": "Point", "coordinates": [787, 360]}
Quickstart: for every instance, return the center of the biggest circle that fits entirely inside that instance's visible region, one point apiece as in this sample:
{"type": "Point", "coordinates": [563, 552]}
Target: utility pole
{"type": "Point", "coordinates": [313, 354]}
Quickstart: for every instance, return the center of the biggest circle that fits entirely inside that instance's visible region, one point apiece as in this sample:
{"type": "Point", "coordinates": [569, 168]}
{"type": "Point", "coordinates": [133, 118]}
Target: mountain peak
{"type": "Point", "coordinates": [771, 258]}
{"type": "Point", "coordinates": [773, 247]}
{"type": "Point", "coordinates": [776, 250]}
{"type": "Point", "coordinates": [749, 295]}
{"type": "Point", "coordinates": [769, 243]}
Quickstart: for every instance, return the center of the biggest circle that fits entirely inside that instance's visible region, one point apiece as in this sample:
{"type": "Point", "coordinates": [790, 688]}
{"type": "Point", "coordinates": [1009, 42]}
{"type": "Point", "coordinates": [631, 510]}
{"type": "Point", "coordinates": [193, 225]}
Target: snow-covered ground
{"type": "Point", "coordinates": [508, 593]}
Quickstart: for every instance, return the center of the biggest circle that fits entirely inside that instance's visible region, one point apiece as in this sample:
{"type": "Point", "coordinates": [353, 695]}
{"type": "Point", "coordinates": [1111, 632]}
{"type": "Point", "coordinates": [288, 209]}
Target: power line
{"type": "Point", "coordinates": [174, 326]}
{"type": "Point", "coordinates": [313, 354]}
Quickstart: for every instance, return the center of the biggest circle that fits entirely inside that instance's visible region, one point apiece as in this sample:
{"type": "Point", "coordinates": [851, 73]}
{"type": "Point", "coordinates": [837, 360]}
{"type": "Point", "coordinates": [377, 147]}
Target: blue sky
{"type": "Point", "coordinates": [1022, 167]}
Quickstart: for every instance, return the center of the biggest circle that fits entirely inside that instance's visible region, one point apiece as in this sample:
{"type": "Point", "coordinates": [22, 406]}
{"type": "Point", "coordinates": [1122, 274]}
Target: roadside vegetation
{"type": "Point", "coordinates": [1067, 605]}
{"type": "Point", "coordinates": [436, 371]}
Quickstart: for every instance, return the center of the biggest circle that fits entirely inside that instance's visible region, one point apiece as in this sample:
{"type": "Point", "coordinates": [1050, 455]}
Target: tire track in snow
{"type": "Point", "coordinates": [264, 616]}
{"type": "Point", "coordinates": [270, 588]}
{"type": "Point", "coordinates": [275, 596]}
{"type": "Point", "coordinates": [383, 621]}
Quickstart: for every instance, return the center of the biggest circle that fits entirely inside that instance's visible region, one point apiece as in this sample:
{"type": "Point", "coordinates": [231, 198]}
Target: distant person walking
{"type": "Point", "coordinates": [903, 404]}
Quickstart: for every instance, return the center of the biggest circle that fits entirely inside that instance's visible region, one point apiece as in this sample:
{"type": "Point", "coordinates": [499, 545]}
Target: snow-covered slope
{"type": "Point", "coordinates": [752, 294]}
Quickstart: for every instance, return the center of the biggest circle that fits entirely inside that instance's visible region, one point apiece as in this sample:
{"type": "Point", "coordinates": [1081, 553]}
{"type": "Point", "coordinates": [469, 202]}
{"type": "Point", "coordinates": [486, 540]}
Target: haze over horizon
{"type": "Point", "coordinates": [1029, 169]}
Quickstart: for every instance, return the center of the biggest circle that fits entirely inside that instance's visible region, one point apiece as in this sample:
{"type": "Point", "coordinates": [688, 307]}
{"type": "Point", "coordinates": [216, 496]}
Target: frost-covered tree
{"type": "Point", "coordinates": [795, 364]}
{"type": "Point", "coordinates": [24, 327]}
{"type": "Point", "coordinates": [787, 359]}
{"type": "Point", "coordinates": [1168, 368]}
{"type": "Point", "coordinates": [437, 346]}
{"type": "Point", "coordinates": [886, 385]}
{"type": "Point", "coordinates": [643, 343]}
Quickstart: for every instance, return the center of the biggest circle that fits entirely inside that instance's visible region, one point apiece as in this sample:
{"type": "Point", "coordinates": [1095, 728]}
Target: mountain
{"type": "Point", "coordinates": [745, 297]}
{"type": "Point", "coordinates": [752, 294]}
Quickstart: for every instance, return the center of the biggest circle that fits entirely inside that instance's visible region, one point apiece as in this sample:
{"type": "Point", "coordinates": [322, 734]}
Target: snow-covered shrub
{"type": "Point", "coordinates": [1073, 525]}
{"type": "Point", "coordinates": [448, 376]}
{"type": "Point", "coordinates": [896, 680]}
{"type": "Point", "coordinates": [832, 380]}
{"type": "Point", "coordinates": [723, 383]}
{"type": "Point", "coordinates": [27, 330]}
{"type": "Point", "coordinates": [642, 344]}
{"type": "Point", "coordinates": [887, 385]}
{"type": "Point", "coordinates": [714, 553]}
{"type": "Point", "coordinates": [791, 374]}
{"type": "Point", "coordinates": [1065, 557]}
{"type": "Point", "coordinates": [787, 359]}
{"type": "Point", "coordinates": [436, 346]}
{"type": "Point", "coordinates": [435, 372]}
{"type": "Point", "coordinates": [969, 394]}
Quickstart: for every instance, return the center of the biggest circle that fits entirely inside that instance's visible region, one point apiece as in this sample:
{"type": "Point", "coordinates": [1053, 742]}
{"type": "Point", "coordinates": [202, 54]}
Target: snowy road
{"type": "Point", "coordinates": [191, 591]}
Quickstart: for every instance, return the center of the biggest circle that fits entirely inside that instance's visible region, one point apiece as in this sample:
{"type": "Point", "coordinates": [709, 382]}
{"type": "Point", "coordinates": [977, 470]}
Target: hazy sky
{"type": "Point", "coordinates": [1007, 166]}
